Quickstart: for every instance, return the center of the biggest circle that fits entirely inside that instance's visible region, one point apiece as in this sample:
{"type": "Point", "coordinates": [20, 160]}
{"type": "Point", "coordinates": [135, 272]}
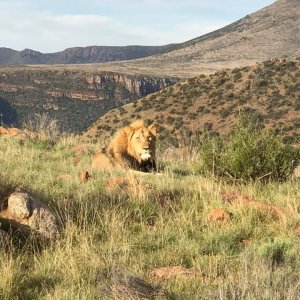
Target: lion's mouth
{"type": "Point", "coordinates": [145, 155]}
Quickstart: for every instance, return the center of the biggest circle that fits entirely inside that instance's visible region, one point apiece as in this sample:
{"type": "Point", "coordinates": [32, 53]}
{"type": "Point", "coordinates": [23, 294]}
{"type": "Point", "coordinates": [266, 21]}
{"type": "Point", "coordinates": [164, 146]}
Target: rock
{"type": "Point", "coordinates": [84, 176]}
{"type": "Point", "coordinates": [271, 209]}
{"type": "Point", "coordinates": [246, 242]}
{"type": "Point", "coordinates": [218, 214]}
{"type": "Point", "coordinates": [175, 271]}
{"type": "Point", "coordinates": [19, 205]}
{"type": "Point", "coordinates": [30, 216]}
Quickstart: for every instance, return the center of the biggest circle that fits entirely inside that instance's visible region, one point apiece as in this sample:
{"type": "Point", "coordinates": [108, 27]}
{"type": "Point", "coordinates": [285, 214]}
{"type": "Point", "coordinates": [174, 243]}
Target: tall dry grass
{"type": "Point", "coordinates": [160, 221]}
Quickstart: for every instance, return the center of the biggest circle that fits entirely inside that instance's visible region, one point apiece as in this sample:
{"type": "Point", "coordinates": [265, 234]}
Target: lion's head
{"type": "Point", "coordinates": [141, 140]}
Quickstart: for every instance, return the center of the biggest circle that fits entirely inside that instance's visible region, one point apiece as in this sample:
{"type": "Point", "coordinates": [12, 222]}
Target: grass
{"type": "Point", "coordinates": [160, 221]}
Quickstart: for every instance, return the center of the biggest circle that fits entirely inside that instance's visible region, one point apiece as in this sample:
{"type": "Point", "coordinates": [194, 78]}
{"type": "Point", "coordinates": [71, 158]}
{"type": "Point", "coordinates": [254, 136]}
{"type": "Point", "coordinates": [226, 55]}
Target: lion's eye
{"type": "Point", "coordinates": [138, 138]}
{"type": "Point", "coordinates": [149, 139]}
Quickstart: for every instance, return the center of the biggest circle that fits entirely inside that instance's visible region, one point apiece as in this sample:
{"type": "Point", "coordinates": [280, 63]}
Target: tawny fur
{"type": "Point", "coordinates": [132, 147]}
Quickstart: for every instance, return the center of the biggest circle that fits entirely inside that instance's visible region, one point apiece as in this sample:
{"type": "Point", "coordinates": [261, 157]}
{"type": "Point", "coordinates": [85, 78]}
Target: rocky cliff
{"type": "Point", "coordinates": [74, 98]}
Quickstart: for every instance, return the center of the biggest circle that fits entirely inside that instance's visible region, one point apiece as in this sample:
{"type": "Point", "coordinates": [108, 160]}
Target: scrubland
{"type": "Point", "coordinates": [120, 225]}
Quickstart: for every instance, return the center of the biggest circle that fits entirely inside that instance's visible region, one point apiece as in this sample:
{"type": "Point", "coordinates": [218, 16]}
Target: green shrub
{"type": "Point", "coordinates": [278, 251]}
{"type": "Point", "coordinates": [249, 153]}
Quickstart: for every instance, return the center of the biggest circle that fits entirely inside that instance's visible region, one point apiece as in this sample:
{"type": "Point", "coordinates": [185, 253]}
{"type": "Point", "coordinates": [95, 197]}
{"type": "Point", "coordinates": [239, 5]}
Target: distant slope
{"type": "Point", "coordinates": [74, 98]}
{"type": "Point", "coordinates": [268, 91]}
{"type": "Point", "coordinates": [79, 55]}
{"type": "Point", "coordinates": [268, 33]}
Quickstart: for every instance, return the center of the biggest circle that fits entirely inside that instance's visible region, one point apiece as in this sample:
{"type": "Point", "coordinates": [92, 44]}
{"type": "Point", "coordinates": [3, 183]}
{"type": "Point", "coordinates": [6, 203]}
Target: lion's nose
{"type": "Point", "coordinates": [146, 148]}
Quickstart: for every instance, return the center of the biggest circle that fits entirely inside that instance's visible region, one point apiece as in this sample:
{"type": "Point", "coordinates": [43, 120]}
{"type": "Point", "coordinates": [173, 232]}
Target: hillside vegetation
{"type": "Point", "coordinates": [180, 234]}
{"type": "Point", "coordinates": [268, 92]}
{"type": "Point", "coordinates": [265, 34]}
{"type": "Point", "coordinates": [75, 98]}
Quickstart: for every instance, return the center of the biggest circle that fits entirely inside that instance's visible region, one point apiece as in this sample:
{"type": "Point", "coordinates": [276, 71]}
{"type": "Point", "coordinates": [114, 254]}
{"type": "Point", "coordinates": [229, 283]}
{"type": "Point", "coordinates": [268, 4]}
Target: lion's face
{"type": "Point", "coordinates": [143, 140]}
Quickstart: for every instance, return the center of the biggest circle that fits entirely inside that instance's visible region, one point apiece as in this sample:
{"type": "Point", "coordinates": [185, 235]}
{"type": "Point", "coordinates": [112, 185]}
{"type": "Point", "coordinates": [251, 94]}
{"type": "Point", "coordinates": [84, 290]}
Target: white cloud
{"type": "Point", "coordinates": [50, 28]}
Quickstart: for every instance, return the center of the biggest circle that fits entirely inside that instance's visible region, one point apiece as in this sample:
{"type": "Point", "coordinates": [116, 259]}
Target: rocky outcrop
{"type": "Point", "coordinates": [140, 86]}
{"type": "Point", "coordinates": [65, 93]}
{"type": "Point", "coordinates": [30, 215]}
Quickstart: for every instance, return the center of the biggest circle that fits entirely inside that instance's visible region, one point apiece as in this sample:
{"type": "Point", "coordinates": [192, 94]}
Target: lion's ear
{"type": "Point", "coordinates": [153, 129]}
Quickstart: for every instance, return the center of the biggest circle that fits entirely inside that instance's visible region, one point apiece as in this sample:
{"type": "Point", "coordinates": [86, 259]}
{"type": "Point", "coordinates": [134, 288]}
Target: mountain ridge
{"type": "Point", "coordinates": [271, 32]}
{"type": "Point", "coordinates": [79, 55]}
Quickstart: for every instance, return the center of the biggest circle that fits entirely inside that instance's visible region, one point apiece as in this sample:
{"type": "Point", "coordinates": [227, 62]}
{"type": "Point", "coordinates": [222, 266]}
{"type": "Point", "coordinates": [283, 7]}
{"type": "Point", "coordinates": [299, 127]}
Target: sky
{"type": "Point", "coordinates": [54, 25]}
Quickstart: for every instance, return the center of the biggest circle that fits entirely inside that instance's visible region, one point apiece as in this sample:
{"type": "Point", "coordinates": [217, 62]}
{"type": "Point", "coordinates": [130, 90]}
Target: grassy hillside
{"type": "Point", "coordinates": [117, 223]}
{"type": "Point", "coordinates": [268, 92]}
{"type": "Point", "coordinates": [265, 34]}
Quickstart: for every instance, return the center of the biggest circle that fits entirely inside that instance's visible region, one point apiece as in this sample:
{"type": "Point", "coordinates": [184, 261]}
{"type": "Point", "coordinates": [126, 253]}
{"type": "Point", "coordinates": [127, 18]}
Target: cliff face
{"type": "Point", "coordinates": [139, 86]}
{"type": "Point", "coordinates": [65, 94]}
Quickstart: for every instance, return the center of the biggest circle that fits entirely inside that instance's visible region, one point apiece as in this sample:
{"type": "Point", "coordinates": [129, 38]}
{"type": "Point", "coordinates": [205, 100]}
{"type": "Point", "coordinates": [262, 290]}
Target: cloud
{"type": "Point", "coordinates": [59, 24]}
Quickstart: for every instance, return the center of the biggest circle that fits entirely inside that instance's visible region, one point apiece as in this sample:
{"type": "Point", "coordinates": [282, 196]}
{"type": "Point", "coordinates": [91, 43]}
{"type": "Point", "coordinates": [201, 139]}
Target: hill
{"type": "Point", "coordinates": [271, 32]}
{"type": "Point", "coordinates": [268, 91]}
{"type": "Point", "coordinates": [75, 98]}
{"type": "Point", "coordinates": [268, 33]}
{"type": "Point", "coordinates": [79, 55]}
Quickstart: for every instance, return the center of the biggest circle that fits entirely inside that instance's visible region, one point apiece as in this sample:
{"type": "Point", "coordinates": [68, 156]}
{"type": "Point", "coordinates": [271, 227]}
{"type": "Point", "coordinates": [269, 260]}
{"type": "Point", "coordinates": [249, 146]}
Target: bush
{"type": "Point", "coordinates": [249, 153]}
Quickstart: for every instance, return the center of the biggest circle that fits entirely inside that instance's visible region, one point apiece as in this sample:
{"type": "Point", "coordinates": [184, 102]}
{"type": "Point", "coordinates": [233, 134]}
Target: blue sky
{"type": "Point", "coordinates": [55, 25]}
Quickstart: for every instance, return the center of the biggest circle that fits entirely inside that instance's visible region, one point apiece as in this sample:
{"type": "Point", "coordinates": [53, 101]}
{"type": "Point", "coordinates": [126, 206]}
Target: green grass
{"type": "Point", "coordinates": [160, 222]}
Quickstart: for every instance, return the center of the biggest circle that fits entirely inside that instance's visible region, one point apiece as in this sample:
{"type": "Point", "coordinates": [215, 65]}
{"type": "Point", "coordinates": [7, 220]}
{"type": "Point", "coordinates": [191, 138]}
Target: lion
{"type": "Point", "coordinates": [132, 147]}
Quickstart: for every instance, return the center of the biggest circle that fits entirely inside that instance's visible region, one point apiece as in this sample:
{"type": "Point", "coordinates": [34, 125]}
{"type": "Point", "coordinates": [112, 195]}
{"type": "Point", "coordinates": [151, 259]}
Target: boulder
{"type": "Point", "coordinates": [30, 215]}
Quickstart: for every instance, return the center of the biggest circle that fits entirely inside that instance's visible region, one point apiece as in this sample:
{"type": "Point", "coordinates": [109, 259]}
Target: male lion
{"type": "Point", "coordinates": [133, 147]}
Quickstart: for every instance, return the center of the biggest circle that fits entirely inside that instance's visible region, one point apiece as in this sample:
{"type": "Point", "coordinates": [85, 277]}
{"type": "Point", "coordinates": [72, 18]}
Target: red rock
{"type": "Point", "coordinates": [274, 210]}
{"type": "Point", "coordinates": [246, 242]}
{"type": "Point", "coordinates": [84, 176]}
{"type": "Point", "coordinates": [218, 214]}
